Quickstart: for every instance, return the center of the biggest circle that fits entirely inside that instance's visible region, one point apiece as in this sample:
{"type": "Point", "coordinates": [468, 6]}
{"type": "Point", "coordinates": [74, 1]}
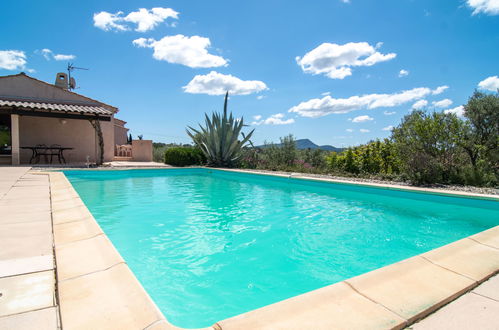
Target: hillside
{"type": "Point", "coordinates": [307, 144]}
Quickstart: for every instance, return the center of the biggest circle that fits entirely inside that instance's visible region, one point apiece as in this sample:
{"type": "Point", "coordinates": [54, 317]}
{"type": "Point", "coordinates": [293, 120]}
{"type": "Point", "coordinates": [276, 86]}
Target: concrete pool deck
{"type": "Point", "coordinates": [99, 290]}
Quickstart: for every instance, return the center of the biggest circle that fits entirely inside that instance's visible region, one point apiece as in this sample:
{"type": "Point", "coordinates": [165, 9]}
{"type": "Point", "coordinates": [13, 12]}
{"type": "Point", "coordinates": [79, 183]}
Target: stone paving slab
{"type": "Point", "coordinates": [21, 266]}
{"type": "Point", "coordinates": [43, 319]}
{"type": "Point", "coordinates": [27, 292]}
{"type": "Point", "coordinates": [469, 312]}
{"type": "Point", "coordinates": [27, 277]}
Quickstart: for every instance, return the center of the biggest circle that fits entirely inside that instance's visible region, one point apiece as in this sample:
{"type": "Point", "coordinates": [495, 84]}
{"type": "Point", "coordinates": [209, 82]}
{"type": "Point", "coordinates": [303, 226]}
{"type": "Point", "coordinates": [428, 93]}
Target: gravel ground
{"type": "Point", "coordinates": [471, 189]}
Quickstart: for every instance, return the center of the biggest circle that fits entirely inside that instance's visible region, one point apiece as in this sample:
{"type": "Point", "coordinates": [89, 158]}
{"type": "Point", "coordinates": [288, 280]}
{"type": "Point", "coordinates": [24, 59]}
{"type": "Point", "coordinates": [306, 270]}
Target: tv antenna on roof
{"type": "Point", "coordinates": [72, 82]}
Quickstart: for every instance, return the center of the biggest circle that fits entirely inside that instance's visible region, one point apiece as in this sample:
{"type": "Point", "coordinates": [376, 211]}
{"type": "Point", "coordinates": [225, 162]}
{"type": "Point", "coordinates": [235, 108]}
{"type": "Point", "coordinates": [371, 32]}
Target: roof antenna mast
{"type": "Point", "coordinates": [72, 82]}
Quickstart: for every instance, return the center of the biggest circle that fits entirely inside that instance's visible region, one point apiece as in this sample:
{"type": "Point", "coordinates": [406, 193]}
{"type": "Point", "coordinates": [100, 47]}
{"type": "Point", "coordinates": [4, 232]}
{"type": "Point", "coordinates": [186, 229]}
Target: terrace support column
{"type": "Point", "coordinates": [14, 133]}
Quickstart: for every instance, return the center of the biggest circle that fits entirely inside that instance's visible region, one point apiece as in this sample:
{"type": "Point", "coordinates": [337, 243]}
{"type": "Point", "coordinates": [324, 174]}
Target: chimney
{"type": "Point", "coordinates": [61, 80]}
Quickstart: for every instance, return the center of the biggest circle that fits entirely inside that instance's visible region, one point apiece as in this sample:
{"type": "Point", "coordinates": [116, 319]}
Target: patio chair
{"type": "Point", "coordinates": [55, 150]}
{"type": "Point", "coordinates": [41, 150]}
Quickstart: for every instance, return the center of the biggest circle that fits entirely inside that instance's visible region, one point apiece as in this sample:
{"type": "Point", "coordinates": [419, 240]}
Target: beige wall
{"type": "Point", "coordinates": [76, 133]}
{"type": "Point", "coordinates": [120, 133]}
{"type": "Point", "coordinates": [142, 150]}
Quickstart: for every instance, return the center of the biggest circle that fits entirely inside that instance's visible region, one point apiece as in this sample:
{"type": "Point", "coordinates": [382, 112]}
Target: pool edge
{"type": "Point", "coordinates": [355, 298]}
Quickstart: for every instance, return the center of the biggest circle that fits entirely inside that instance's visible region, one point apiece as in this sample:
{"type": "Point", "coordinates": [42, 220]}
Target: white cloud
{"type": "Point", "coordinates": [109, 21]}
{"type": "Point", "coordinates": [387, 128]}
{"type": "Point", "coordinates": [362, 119]}
{"type": "Point", "coordinates": [403, 73]}
{"type": "Point", "coordinates": [363, 130]}
{"type": "Point", "coordinates": [179, 49]}
{"type": "Point", "coordinates": [215, 83]}
{"type": "Point", "coordinates": [349, 130]}
{"type": "Point", "coordinates": [458, 111]}
{"type": "Point", "coordinates": [389, 113]}
{"type": "Point", "coordinates": [327, 105]}
{"type": "Point", "coordinates": [490, 84]}
{"type": "Point", "coordinates": [336, 61]}
{"type": "Point", "coordinates": [439, 90]}
{"type": "Point", "coordinates": [145, 19]}
{"type": "Point", "coordinates": [326, 93]}
{"type": "Point", "coordinates": [442, 103]}
{"type": "Point", "coordinates": [260, 97]}
{"type": "Point", "coordinates": [148, 19]}
{"type": "Point", "coordinates": [345, 1]}
{"type": "Point", "coordinates": [48, 54]}
{"type": "Point", "coordinates": [276, 119]}
{"type": "Point", "coordinates": [12, 59]}
{"type": "Point", "coordinates": [62, 57]}
{"type": "Point", "coordinates": [257, 117]}
{"type": "Point", "coordinates": [420, 104]}
{"type": "Point", "coordinates": [484, 6]}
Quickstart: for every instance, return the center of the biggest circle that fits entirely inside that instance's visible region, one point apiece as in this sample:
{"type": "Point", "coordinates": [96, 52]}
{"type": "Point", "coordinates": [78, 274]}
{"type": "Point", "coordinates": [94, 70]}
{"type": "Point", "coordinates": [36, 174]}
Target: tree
{"type": "Point", "coordinates": [428, 146]}
{"type": "Point", "coordinates": [219, 138]}
{"type": "Point", "coordinates": [482, 134]}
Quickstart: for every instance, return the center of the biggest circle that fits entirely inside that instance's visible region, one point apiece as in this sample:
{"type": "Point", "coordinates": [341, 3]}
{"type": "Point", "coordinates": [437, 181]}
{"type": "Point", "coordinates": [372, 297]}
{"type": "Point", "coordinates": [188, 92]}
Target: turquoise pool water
{"type": "Point", "coordinates": [208, 244]}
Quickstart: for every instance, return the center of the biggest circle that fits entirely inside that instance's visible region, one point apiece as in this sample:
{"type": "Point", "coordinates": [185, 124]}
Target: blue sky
{"type": "Point", "coordinates": [338, 72]}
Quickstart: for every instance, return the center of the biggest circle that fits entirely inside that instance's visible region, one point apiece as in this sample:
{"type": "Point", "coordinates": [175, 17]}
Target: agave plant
{"type": "Point", "coordinates": [219, 139]}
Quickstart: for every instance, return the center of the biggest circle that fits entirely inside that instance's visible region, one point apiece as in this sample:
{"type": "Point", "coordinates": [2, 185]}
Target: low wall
{"type": "Point", "coordinates": [142, 150]}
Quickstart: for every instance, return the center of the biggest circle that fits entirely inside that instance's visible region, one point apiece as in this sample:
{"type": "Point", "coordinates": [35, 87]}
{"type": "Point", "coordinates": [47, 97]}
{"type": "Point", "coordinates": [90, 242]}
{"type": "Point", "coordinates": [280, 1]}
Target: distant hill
{"type": "Point", "coordinates": [307, 144]}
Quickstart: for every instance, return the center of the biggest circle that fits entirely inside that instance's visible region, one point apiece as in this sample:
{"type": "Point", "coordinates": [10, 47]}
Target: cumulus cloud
{"type": "Point", "coordinates": [442, 103]}
{"type": "Point", "coordinates": [439, 90]}
{"type": "Point", "coordinates": [179, 49]}
{"type": "Point", "coordinates": [458, 111]}
{"type": "Point", "coordinates": [403, 73]}
{"type": "Point", "coordinates": [215, 83]}
{"type": "Point", "coordinates": [349, 130]}
{"type": "Point", "coordinates": [362, 119]}
{"type": "Point", "coordinates": [336, 61]}
{"type": "Point", "coordinates": [363, 130]}
{"type": "Point", "coordinates": [490, 84]}
{"type": "Point", "coordinates": [144, 19]}
{"type": "Point", "coordinates": [490, 7]}
{"type": "Point", "coordinates": [109, 21]}
{"type": "Point", "coordinates": [12, 59]}
{"type": "Point", "coordinates": [277, 119]}
{"type": "Point", "coordinates": [328, 105]}
{"type": "Point", "coordinates": [387, 128]}
{"type": "Point", "coordinates": [389, 113]}
{"type": "Point", "coordinates": [148, 19]}
{"type": "Point", "coordinates": [420, 104]}
{"type": "Point", "coordinates": [48, 54]}
{"type": "Point", "coordinates": [62, 57]}
{"type": "Point", "coordinates": [260, 97]}
{"type": "Point", "coordinates": [257, 117]}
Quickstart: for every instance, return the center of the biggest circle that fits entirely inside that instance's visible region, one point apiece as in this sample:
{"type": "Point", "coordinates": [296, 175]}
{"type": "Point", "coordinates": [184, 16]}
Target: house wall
{"type": "Point", "coordinates": [120, 132]}
{"type": "Point", "coordinates": [76, 133]}
{"type": "Point", "coordinates": [142, 150]}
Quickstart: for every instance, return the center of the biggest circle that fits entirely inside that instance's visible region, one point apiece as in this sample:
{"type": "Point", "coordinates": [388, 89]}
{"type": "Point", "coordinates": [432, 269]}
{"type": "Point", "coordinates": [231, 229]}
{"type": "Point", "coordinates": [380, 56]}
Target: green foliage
{"type": "Point", "coordinates": [219, 138]}
{"type": "Point", "coordinates": [184, 156]}
{"type": "Point", "coordinates": [284, 157]}
{"type": "Point", "coordinates": [481, 138]}
{"type": "Point", "coordinates": [429, 147]}
{"type": "Point", "coordinates": [373, 158]}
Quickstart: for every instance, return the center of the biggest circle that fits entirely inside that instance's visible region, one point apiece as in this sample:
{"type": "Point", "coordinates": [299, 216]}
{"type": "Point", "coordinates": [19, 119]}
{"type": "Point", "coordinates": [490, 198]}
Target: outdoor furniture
{"type": "Point", "coordinates": [43, 150]}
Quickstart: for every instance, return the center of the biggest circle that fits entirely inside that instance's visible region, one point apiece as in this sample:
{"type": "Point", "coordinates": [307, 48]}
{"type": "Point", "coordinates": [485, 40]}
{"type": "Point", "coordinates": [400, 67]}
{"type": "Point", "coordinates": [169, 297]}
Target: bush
{"type": "Point", "coordinates": [184, 156]}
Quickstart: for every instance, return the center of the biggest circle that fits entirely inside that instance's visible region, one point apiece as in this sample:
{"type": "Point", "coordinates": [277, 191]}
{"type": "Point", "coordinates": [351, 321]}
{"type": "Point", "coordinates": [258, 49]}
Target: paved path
{"type": "Point", "coordinates": [478, 309]}
{"type": "Point", "coordinates": [27, 277]}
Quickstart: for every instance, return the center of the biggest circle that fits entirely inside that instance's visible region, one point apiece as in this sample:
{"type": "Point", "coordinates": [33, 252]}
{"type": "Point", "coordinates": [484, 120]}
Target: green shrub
{"type": "Point", "coordinates": [184, 156]}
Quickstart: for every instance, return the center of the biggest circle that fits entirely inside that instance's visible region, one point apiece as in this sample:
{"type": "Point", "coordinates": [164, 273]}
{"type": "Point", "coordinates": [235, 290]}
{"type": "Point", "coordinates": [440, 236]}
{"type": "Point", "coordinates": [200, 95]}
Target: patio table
{"type": "Point", "coordinates": [38, 151]}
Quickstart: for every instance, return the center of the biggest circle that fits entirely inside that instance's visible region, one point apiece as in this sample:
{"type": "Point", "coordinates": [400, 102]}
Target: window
{"type": "Point", "coordinates": [5, 138]}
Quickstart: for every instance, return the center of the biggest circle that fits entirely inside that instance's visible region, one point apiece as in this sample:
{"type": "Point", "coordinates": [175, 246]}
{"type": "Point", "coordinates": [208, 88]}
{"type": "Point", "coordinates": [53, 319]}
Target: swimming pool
{"type": "Point", "coordinates": [209, 244]}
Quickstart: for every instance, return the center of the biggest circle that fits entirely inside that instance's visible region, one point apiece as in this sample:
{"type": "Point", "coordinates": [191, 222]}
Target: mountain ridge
{"type": "Point", "coordinates": [308, 144]}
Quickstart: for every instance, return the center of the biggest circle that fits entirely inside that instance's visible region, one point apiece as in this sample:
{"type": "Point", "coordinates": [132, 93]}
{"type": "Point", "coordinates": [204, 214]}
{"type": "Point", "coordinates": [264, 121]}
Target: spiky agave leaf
{"type": "Point", "coordinates": [219, 138]}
